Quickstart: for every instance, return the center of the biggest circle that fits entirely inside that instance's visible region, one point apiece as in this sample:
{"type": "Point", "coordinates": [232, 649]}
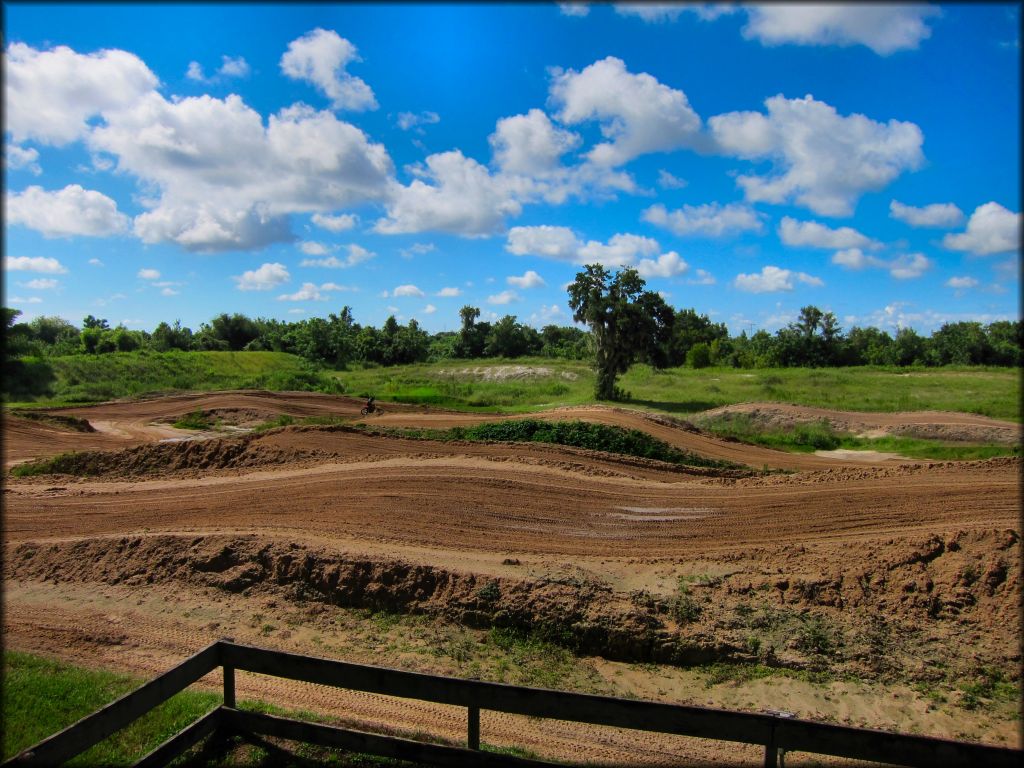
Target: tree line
{"type": "Point", "coordinates": [627, 324]}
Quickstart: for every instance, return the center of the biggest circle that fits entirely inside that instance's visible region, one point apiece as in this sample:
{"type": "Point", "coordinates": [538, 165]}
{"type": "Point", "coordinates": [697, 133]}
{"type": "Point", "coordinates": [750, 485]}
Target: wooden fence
{"type": "Point", "coordinates": [776, 733]}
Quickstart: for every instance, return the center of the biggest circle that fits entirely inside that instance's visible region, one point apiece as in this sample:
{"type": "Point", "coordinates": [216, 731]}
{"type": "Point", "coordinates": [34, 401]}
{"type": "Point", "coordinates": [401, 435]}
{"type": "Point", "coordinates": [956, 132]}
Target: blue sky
{"type": "Point", "coordinates": [176, 161]}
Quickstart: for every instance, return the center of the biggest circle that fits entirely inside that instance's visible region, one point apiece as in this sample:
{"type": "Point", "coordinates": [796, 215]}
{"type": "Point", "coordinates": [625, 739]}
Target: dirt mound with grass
{"type": "Point", "coordinates": [298, 446]}
{"type": "Point", "coordinates": [905, 609]}
{"type": "Point", "coordinates": [931, 425]}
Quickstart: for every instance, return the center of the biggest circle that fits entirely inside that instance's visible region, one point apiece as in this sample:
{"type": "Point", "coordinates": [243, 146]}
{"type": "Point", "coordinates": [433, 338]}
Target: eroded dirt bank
{"type": "Point", "coordinates": [904, 612]}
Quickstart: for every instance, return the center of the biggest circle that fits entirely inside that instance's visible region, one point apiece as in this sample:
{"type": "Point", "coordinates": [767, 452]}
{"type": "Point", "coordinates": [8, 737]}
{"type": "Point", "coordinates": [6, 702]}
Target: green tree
{"type": "Point", "coordinates": [472, 335]}
{"type": "Point", "coordinates": [94, 322]}
{"type": "Point", "coordinates": [624, 319]}
{"type": "Point", "coordinates": [167, 337]}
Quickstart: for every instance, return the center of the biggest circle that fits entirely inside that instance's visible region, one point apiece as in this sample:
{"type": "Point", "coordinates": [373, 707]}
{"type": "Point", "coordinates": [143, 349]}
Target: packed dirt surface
{"type": "Point", "coordinates": [885, 570]}
{"type": "Point", "coordinates": [930, 425]}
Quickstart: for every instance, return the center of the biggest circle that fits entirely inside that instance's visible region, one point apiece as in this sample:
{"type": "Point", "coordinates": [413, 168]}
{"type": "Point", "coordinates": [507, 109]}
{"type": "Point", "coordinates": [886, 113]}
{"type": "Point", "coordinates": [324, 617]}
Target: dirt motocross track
{"type": "Point", "coordinates": [118, 565]}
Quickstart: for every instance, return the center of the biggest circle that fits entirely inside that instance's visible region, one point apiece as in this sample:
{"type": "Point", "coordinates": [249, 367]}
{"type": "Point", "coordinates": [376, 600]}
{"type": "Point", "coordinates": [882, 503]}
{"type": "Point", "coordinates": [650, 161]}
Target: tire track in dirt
{"type": "Point", "coordinates": [478, 503]}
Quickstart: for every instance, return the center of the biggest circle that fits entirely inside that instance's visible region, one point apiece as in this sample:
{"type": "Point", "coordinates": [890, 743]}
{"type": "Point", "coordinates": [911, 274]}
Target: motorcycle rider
{"type": "Point", "coordinates": [369, 404]}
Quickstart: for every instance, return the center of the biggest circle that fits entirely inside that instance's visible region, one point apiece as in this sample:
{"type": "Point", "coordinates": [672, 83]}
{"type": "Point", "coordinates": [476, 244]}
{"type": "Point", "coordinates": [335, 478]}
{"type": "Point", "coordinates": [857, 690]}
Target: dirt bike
{"type": "Point", "coordinates": [368, 409]}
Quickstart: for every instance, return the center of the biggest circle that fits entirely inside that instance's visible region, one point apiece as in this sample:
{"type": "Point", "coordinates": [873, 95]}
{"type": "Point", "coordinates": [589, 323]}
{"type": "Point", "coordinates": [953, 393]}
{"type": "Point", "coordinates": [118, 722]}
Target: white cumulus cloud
{"type": "Point", "coordinates": [449, 292]}
{"type": "Point", "coordinates": [268, 276]}
{"type": "Point", "coordinates": [312, 292]}
{"type": "Point", "coordinates": [991, 229]}
{"type": "Point", "coordinates": [909, 266]}
{"type": "Point", "coordinates": [356, 255]}
{"type": "Point", "coordinates": [562, 244]}
{"type": "Point", "coordinates": [51, 95]}
{"type": "Point", "coordinates": [407, 290]}
{"type": "Point", "coordinates": [226, 181]}
{"type": "Point", "coordinates": [710, 220]}
{"type": "Point", "coordinates": [882, 27]}
{"type": "Point", "coordinates": [429, 309]}
{"type": "Point", "coordinates": [462, 197]}
{"type": "Point", "coordinates": [574, 9]}
{"type": "Point", "coordinates": [233, 67]}
{"type": "Point", "coordinates": [505, 297]}
{"type": "Point", "coordinates": [66, 213]}
{"type": "Point", "coordinates": [811, 234]}
{"type": "Point", "coordinates": [313, 248]}
{"type": "Point", "coordinates": [667, 181]}
{"type": "Point", "coordinates": [667, 265]}
{"type": "Point", "coordinates": [41, 284]}
{"type": "Point", "coordinates": [148, 274]}
{"type": "Point", "coordinates": [772, 279]}
{"type": "Point", "coordinates": [530, 144]}
{"type": "Point", "coordinates": [22, 158]}
{"type": "Point", "coordinates": [529, 280]}
{"type": "Point", "coordinates": [702, 277]}
{"type": "Point", "coordinates": [902, 267]}
{"type": "Point", "coordinates": [822, 160]}
{"type": "Point", "coordinates": [43, 264]}
{"type": "Point", "coordinates": [637, 113]}
{"type": "Point", "coordinates": [407, 120]}
{"type": "Point", "coordinates": [340, 223]}
{"type": "Point", "coordinates": [320, 57]}
{"type": "Point", "coordinates": [938, 215]}
{"type": "Point", "coordinates": [961, 283]}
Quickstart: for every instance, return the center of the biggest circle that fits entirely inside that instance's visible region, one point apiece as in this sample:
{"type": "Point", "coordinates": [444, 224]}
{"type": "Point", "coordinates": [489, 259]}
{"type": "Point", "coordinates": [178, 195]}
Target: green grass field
{"type": "Point", "coordinates": [478, 385]}
{"type": "Point", "coordinates": [95, 378]}
{"type": "Point", "coordinates": [987, 391]}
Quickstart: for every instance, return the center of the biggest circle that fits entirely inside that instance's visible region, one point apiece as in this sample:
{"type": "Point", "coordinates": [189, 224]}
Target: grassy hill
{"type": "Point", "coordinates": [91, 378]}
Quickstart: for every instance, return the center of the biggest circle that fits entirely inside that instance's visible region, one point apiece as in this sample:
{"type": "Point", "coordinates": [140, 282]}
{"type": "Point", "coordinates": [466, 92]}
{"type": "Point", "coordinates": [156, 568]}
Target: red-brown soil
{"type": "Point", "coordinates": [909, 564]}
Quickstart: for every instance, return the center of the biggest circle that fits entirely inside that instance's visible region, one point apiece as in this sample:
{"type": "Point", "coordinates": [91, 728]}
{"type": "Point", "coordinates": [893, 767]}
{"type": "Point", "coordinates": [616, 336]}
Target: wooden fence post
{"type": "Point", "coordinates": [229, 679]}
{"type": "Point", "coordinates": [473, 740]}
{"type": "Point", "coordinates": [771, 752]}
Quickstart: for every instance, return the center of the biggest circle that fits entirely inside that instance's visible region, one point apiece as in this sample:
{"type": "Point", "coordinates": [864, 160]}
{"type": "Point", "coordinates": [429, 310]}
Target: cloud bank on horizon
{"type": "Point", "coordinates": [316, 149]}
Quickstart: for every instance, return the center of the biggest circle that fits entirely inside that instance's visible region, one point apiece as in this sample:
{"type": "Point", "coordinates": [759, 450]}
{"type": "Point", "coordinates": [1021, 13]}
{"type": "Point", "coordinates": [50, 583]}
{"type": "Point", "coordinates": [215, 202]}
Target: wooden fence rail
{"type": "Point", "coordinates": [776, 733]}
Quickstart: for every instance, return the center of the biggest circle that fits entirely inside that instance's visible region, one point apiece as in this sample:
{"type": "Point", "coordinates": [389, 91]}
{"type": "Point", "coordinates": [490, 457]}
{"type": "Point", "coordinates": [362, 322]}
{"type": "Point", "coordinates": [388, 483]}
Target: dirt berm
{"type": "Point", "coordinates": [298, 445]}
{"type": "Point", "coordinates": [913, 609]}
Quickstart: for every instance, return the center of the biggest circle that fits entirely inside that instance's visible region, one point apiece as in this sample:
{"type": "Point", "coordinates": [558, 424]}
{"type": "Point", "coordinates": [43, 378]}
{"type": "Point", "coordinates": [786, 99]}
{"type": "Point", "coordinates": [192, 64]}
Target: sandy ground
{"type": "Point", "coordinates": [476, 508]}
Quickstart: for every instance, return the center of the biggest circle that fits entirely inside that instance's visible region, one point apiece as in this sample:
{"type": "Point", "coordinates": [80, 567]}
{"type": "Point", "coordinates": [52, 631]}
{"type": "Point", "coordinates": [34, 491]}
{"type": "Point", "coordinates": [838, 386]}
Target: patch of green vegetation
{"type": "Point", "coordinates": [577, 434]}
{"type": "Point", "coordinates": [685, 608]}
{"type": "Point", "coordinates": [916, 448]}
{"type": "Point", "coordinates": [987, 391]}
{"type": "Point", "coordinates": [42, 696]}
{"type": "Point", "coordinates": [820, 435]}
{"type": "Point", "coordinates": [989, 686]}
{"type": "Point", "coordinates": [284, 420]}
{"type": "Point", "coordinates": [721, 672]}
{"type": "Point", "coordinates": [72, 463]}
{"type": "Point", "coordinates": [532, 659]}
{"type": "Point", "coordinates": [477, 385]}
{"type": "Point", "coordinates": [818, 636]}
{"type": "Point", "coordinates": [195, 420]}
{"type": "Point", "coordinates": [59, 420]}
{"type": "Point", "coordinates": [95, 378]}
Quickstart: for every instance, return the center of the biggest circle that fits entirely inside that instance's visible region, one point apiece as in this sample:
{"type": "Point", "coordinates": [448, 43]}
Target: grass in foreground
{"type": "Point", "coordinates": [42, 697]}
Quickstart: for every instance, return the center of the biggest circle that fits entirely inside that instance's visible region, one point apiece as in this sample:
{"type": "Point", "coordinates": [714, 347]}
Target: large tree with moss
{"type": "Point", "coordinates": [628, 323]}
